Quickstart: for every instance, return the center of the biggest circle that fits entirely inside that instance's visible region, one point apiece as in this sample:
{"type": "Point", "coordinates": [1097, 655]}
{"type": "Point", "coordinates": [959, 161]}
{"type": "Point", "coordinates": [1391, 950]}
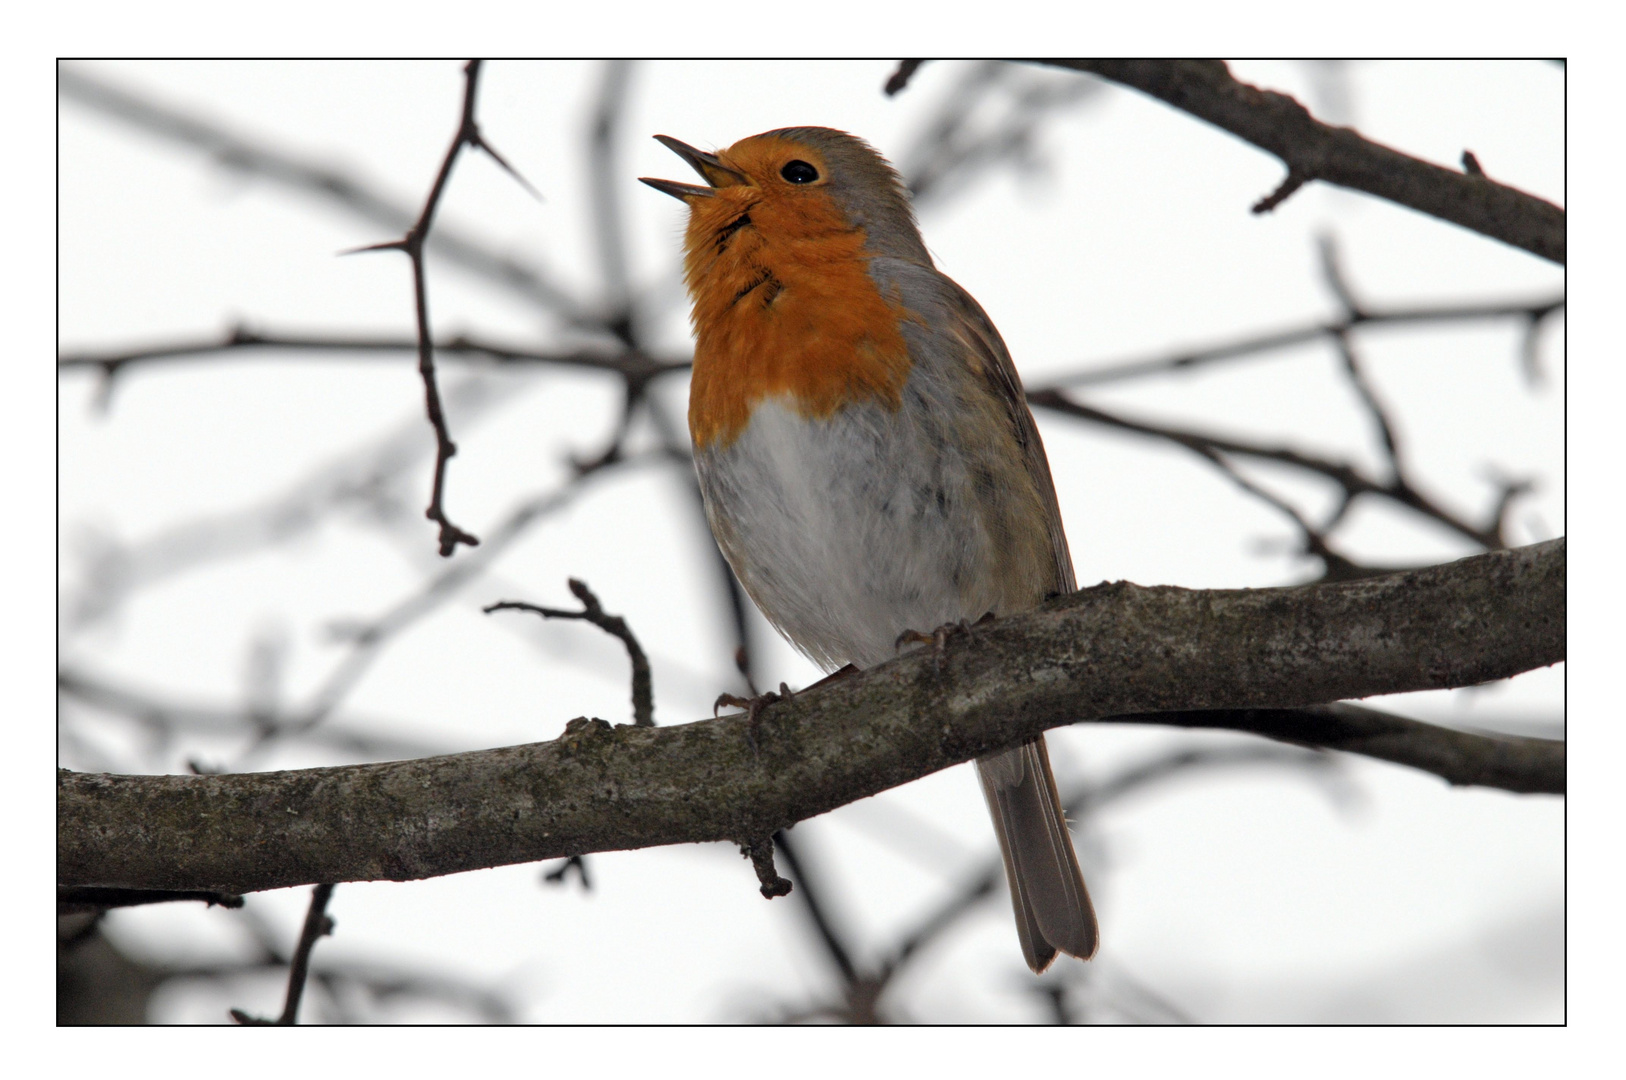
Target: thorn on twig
{"type": "Point", "coordinates": [578, 863]}
{"type": "Point", "coordinates": [1290, 183]}
{"type": "Point", "coordinates": [900, 78]}
{"type": "Point", "coordinates": [478, 140]}
{"type": "Point", "coordinates": [468, 135]}
{"type": "Point", "coordinates": [1470, 164]}
{"type": "Point", "coordinates": [760, 852]}
{"type": "Point", "coordinates": [317, 926]}
{"type": "Point", "coordinates": [643, 694]}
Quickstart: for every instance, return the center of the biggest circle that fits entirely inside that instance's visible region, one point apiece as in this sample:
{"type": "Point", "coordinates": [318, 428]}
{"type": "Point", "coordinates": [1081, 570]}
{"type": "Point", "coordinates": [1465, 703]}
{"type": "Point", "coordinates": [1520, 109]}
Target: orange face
{"type": "Point", "coordinates": [784, 304]}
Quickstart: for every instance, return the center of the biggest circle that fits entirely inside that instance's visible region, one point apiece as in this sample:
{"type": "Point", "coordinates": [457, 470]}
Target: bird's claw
{"type": "Point", "coordinates": [938, 639]}
{"type": "Point", "coordinates": [753, 707]}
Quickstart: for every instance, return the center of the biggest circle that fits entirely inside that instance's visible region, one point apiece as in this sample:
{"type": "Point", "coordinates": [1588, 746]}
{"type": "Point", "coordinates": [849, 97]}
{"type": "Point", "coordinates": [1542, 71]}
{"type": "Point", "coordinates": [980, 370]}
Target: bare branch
{"type": "Point", "coordinates": [1315, 151]}
{"type": "Point", "coordinates": [368, 641]}
{"type": "Point", "coordinates": [173, 716]}
{"type": "Point", "coordinates": [258, 158]}
{"type": "Point", "coordinates": [597, 788]}
{"type": "Point", "coordinates": [643, 695]}
{"type": "Point", "coordinates": [900, 78]}
{"type": "Point", "coordinates": [1531, 312]}
{"type": "Point", "coordinates": [961, 140]}
{"type": "Point", "coordinates": [468, 135]}
{"type": "Point", "coordinates": [82, 900]}
{"type": "Point", "coordinates": [1353, 482]}
{"type": "Point", "coordinates": [317, 926]}
{"type": "Point", "coordinates": [240, 340]}
{"type": "Point", "coordinates": [604, 171]}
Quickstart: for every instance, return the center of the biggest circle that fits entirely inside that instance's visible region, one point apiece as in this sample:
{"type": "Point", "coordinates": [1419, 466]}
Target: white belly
{"type": "Point", "coordinates": [848, 531]}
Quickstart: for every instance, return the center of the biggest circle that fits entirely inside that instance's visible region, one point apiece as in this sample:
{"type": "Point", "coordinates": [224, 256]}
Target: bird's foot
{"type": "Point", "coordinates": [938, 639]}
{"type": "Point", "coordinates": [753, 707]}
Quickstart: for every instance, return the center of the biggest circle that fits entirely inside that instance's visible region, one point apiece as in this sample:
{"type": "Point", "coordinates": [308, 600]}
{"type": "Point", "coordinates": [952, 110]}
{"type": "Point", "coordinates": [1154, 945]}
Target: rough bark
{"type": "Point", "coordinates": [1100, 653]}
{"type": "Point", "coordinates": [1312, 150]}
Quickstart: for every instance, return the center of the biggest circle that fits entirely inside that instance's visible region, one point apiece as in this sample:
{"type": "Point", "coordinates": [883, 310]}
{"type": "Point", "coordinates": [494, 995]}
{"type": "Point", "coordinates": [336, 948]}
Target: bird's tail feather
{"type": "Point", "coordinates": [1053, 910]}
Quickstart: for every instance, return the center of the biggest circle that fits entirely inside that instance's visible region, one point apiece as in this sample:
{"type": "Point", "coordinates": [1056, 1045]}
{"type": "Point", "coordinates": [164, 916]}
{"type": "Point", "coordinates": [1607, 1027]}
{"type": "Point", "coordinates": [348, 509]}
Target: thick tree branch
{"type": "Point", "coordinates": [1312, 150]}
{"type": "Point", "coordinates": [1109, 651]}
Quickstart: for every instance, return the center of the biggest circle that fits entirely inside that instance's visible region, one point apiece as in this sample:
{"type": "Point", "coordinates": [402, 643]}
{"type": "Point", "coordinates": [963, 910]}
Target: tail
{"type": "Point", "coordinates": [1053, 911]}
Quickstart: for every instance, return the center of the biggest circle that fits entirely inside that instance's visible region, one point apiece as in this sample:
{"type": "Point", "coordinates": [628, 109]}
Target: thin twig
{"type": "Point", "coordinates": [1089, 799]}
{"type": "Point", "coordinates": [813, 904]}
{"type": "Point", "coordinates": [364, 478]}
{"type": "Point", "coordinates": [468, 135]}
{"type": "Point", "coordinates": [578, 863]}
{"type": "Point", "coordinates": [257, 157]}
{"type": "Point", "coordinates": [643, 696]}
{"type": "Point", "coordinates": [1335, 566]}
{"type": "Point", "coordinates": [604, 182]}
{"type": "Point", "coordinates": [1347, 476]}
{"type": "Point", "coordinates": [317, 926]}
{"type": "Point", "coordinates": [90, 898]}
{"type": "Point", "coordinates": [900, 78]}
{"type": "Point", "coordinates": [244, 341]}
{"type": "Point", "coordinates": [369, 738]}
{"type": "Point", "coordinates": [1531, 312]}
{"type": "Point", "coordinates": [368, 640]}
{"type": "Point", "coordinates": [990, 116]}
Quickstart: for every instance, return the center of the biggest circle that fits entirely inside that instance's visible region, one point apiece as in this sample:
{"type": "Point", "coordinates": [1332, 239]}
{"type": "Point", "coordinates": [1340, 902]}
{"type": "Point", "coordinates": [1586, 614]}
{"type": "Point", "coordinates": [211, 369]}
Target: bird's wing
{"type": "Point", "coordinates": [958, 315]}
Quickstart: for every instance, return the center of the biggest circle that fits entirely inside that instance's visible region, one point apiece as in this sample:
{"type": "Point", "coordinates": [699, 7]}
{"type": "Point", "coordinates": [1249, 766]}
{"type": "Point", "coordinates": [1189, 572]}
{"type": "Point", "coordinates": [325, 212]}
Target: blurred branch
{"type": "Point", "coordinates": [97, 983]}
{"type": "Point", "coordinates": [1508, 762]}
{"type": "Point", "coordinates": [1311, 150]}
{"type": "Point", "coordinates": [255, 157]}
{"type": "Point", "coordinates": [240, 340]}
{"type": "Point", "coordinates": [1084, 801]}
{"type": "Point", "coordinates": [643, 696]}
{"type": "Point", "coordinates": [1397, 486]}
{"type": "Point", "coordinates": [959, 141]}
{"type": "Point", "coordinates": [1115, 650]}
{"type": "Point", "coordinates": [1348, 477]}
{"type": "Point", "coordinates": [1532, 312]}
{"type": "Point", "coordinates": [173, 716]}
{"type": "Point", "coordinates": [899, 79]}
{"type": "Point", "coordinates": [364, 476]}
{"type": "Point", "coordinates": [369, 639]}
{"type": "Point", "coordinates": [603, 174]}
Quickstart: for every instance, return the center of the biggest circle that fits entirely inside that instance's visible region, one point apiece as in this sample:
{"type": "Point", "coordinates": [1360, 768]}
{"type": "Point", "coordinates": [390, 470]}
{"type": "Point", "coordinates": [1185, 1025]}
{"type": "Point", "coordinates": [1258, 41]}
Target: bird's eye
{"type": "Point", "coordinates": [799, 172]}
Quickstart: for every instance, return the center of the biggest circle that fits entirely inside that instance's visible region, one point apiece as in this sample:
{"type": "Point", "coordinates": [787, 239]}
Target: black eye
{"type": "Point", "coordinates": [799, 172]}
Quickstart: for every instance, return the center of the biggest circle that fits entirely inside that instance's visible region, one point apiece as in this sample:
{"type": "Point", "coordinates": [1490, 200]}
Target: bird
{"type": "Point", "coordinates": [868, 462]}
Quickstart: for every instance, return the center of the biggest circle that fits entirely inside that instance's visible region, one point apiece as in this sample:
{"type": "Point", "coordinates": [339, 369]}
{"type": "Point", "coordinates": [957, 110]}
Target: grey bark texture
{"type": "Point", "coordinates": [1109, 652]}
{"type": "Point", "coordinates": [1312, 150]}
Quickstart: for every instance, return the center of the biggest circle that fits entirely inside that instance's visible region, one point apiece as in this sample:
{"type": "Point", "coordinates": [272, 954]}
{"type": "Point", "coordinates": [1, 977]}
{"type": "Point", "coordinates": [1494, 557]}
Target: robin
{"type": "Point", "coordinates": [868, 462]}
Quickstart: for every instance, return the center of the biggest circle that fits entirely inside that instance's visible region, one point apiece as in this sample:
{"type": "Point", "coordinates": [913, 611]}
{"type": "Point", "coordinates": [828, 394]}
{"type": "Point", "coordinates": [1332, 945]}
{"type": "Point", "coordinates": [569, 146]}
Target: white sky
{"type": "Point", "coordinates": [1240, 897]}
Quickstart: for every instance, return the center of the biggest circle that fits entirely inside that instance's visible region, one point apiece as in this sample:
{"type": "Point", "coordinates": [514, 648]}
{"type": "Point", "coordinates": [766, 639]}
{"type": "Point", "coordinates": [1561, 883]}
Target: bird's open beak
{"type": "Point", "coordinates": [711, 170]}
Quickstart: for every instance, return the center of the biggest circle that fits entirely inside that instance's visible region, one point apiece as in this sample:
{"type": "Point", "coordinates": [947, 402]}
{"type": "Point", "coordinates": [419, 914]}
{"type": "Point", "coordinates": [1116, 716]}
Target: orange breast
{"type": "Point", "coordinates": [784, 305]}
